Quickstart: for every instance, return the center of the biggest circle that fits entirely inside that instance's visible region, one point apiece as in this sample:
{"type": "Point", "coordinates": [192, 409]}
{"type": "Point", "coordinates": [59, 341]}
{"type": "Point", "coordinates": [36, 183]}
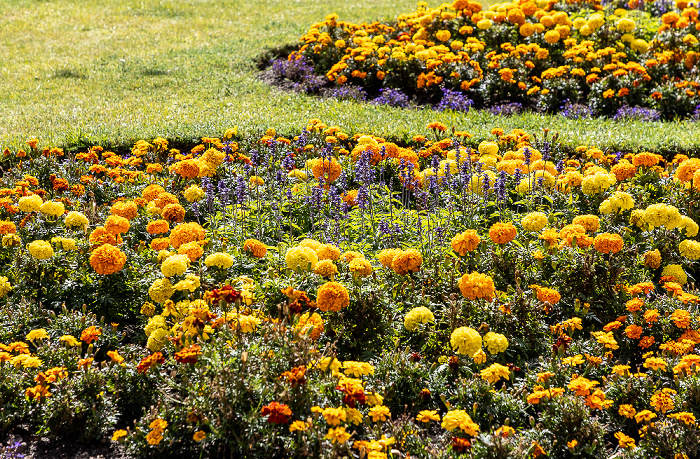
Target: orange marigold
{"type": "Point", "coordinates": [502, 233]}
{"type": "Point", "coordinates": [107, 259]}
{"type": "Point", "coordinates": [332, 296]}
{"type": "Point", "coordinates": [407, 261]}
{"type": "Point", "coordinates": [254, 248]}
{"type": "Point", "coordinates": [465, 242]}
{"type": "Point", "coordinates": [158, 227]}
{"type": "Point", "coordinates": [186, 232]}
{"type": "Point", "coordinates": [174, 213]}
{"type": "Point", "coordinates": [608, 243]}
{"type": "Point", "coordinates": [477, 285]}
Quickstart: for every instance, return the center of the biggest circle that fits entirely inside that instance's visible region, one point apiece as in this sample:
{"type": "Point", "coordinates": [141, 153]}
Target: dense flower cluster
{"type": "Point", "coordinates": [496, 296]}
{"type": "Point", "coordinates": [538, 54]}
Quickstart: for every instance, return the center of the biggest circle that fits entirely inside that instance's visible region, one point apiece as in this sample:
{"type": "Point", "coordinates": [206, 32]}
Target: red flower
{"type": "Point", "coordinates": [188, 355]}
{"type": "Point", "coordinates": [149, 361]}
{"type": "Point", "coordinates": [278, 413]}
{"type": "Point", "coordinates": [225, 293]}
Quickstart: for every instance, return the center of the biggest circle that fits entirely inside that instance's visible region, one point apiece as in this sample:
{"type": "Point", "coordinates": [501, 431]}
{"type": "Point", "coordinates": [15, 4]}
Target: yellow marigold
{"type": "Point", "coordinates": [465, 341]}
{"type": "Point", "coordinates": [254, 248]}
{"type": "Point", "coordinates": [534, 221]}
{"type": "Point", "coordinates": [690, 249]}
{"type": "Point", "coordinates": [30, 203]}
{"type": "Point", "coordinates": [76, 220]}
{"type": "Point", "coordinates": [502, 233]}
{"type": "Point", "coordinates": [476, 285]}
{"type": "Point", "coordinates": [416, 316]}
{"type": "Point", "coordinates": [459, 419]}
{"type": "Point", "coordinates": [194, 193]}
{"type": "Point", "coordinates": [652, 259]}
{"type": "Point", "coordinates": [675, 271]}
{"type": "Point", "coordinates": [5, 286]}
{"type": "Point", "coordinates": [40, 250]}
{"type": "Point", "coordinates": [220, 260]}
{"type": "Point", "coordinates": [52, 208]}
{"type": "Point", "coordinates": [107, 259]}
{"type": "Point", "coordinates": [193, 250]}
{"type": "Point", "coordinates": [379, 413]}
{"type": "Point", "coordinates": [161, 290]}
{"type": "Point", "coordinates": [494, 373]}
{"type": "Point", "coordinates": [464, 242]}
{"type": "Point", "coordinates": [175, 265]}
{"type": "Point", "coordinates": [608, 243]}
{"type": "Point", "coordinates": [332, 296]}
{"type": "Point", "coordinates": [495, 342]}
{"type": "Point", "coordinates": [407, 261]}
{"type": "Point", "coordinates": [301, 257]}
{"type": "Point", "coordinates": [37, 334]}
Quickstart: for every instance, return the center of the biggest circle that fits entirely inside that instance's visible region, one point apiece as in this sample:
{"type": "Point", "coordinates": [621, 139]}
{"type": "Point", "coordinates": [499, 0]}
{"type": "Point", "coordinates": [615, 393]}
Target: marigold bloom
{"type": "Point", "coordinates": [90, 334]}
{"type": "Point", "coordinates": [332, 296]}
{"type": "Point", "coordinates": [416, 316]}
{"type": "Point", "coordinates": [278, 413]}
{"type": "Point", "coordinates": [495, 373]}
{"type": "Point", "coordinates": [407, 261]}
{"type": "Point", "coordinates": [117, 225]}
{"type": "Point", "coordinates": [464, 242]}
{"type": "Point", "coordinates": [41, 250]}
{"type": "Point", "coordinates": [254, 248]}
{"type": "Point", "coordinates": [476, 285]}
{"type": "Point", "coordinates": [502, 233]}
{"type": "Point", "coordinates": [459, 419]}
{"type": "Point", "coordinates": [466, 341]}
{"type": "Point", "coordinates": [188, 354]}
{"type": "Point", "coordinates": [379, 413]}
{"type": "Point", "coordinates": [608, 243]}
{"type": "Point", "coordinates": [186, 232]}
{"type": "Point", "coordinates": [107, 259]}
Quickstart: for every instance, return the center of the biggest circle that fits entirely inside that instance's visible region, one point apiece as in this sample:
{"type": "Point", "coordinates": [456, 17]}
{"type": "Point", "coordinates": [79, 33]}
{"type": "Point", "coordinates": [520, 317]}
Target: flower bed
{"type": "Point", "coordinates": [542, 55]}
{"type": "Point", "coordinates": [328, 294]}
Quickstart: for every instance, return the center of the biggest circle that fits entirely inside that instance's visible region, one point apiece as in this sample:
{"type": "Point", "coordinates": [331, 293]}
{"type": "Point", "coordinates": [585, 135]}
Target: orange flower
{"type": "Point", "coordinates": [502, 233]}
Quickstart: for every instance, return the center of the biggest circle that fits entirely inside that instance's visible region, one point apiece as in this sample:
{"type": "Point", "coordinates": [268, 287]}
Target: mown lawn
{"type": "Point", "coordinates": [79, 73]}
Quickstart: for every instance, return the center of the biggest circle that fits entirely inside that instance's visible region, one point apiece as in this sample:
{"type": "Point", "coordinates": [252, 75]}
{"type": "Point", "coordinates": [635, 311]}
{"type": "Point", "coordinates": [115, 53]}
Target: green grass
{"type": "Point", "coordinates": [110, 72]}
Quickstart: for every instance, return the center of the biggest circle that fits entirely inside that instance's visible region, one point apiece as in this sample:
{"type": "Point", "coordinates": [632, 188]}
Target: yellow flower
{"type": "Point", "coordinates": [30, 203]}
{"type": "Point", "coordinates": [199, 435]}
{"type": "Point", "coordinates": [334, 416]}
{"type": "Point", "coordinates": [298, 426]}
{"type": "Point", "coordinates": [379, 413]}
{"type": "Point", "coordinates": [337, 435]}
{"type": "Point", "coordinates": [36, 334]}
{"type": "Point", "coordinates": [175, 265]}
{"type": "Point", "coordinates": [465, 341]}
{"type": "Point", "coordinates": [194, 193]}
{"type": "Point", "coordinates": [301, 258]}
{"type": "Point", "coordinates": [119, 434]}
{"type": "Point", "coordinates": [494, 373]}
{"type": "Point", "coordinates": [220, 260]}
{"type": "Point", "coordinates": [69, 340]}
{"type": "Point", "coordinates": [416, 316]}
{"type": "Point", "coordinates": [459, 419]}
{"type": "Point", "coordinates": [427, 416]}
{"type": "Point", "coordinates": [40, 250]}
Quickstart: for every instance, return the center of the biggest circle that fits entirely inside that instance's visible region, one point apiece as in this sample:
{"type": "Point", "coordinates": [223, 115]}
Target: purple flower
{"type": "Point", "coordinates": [392, 98]}
{"type": "Point", "coordinates": [454, 100]}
